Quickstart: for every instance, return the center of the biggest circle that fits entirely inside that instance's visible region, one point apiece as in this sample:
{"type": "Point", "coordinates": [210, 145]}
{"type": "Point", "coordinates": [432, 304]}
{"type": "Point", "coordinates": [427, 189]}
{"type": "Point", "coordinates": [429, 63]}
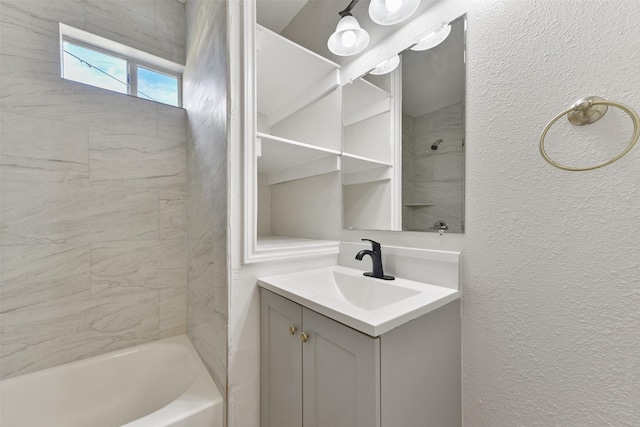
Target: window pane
{"type": "Point", "coordinates": [94, 68]}
{"type": "Point", "coordinates": [157, 86]}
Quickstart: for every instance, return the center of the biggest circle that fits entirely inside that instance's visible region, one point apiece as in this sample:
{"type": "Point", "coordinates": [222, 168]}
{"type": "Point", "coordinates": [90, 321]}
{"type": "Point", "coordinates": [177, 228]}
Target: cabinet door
{"type": "Point", "coordinates": [341, 367]}
{"type": "Point", "coordinates": [281, 361]}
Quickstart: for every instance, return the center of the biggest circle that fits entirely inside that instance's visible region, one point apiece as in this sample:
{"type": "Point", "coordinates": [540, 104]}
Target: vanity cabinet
{"type": "Point", "coordinates": [335, 368]}
{"type": "Point", "coordinates": [316, 372]}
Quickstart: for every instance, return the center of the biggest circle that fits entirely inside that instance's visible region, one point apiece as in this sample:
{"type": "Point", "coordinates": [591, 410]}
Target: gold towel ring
{"type": "Point", "coordinates": [584, 112]}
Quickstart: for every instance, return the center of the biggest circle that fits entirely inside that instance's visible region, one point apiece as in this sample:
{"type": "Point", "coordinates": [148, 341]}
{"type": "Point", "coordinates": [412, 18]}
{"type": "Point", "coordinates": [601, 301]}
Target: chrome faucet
{"type": "Point", "coordinates": [376, 258]}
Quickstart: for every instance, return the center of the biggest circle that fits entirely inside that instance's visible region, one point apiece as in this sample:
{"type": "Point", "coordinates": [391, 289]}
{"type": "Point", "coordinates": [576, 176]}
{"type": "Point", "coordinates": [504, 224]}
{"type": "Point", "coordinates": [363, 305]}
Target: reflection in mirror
{"type": "Point", "coordinates": [404, 142]}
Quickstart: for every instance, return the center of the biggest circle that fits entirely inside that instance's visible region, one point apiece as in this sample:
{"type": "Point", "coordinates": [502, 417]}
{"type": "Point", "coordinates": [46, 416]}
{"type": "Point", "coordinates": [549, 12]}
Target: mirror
{"type": "Point", "coordinates": [403, 142]}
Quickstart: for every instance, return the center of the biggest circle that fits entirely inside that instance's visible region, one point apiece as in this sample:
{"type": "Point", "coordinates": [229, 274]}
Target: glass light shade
{"type": "Point", "coordinates": [434, 38]}
{"type": "Point", "coordinates": [389, 12]}
{"type": "Point", "coordinates": [349, 38]}
{"type": "Point", "coordinates": [387, 66]}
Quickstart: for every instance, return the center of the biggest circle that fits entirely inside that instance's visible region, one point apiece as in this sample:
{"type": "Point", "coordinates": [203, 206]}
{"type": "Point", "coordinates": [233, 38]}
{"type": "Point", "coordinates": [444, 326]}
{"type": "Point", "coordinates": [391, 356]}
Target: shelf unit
{"type": "Point", "coordinates": [359, 169]}
{"type": "Point", "coordinates": [286, 160]}
{"type": "Point", "coordinates": [290, 77]}
{"type": "Point", "coordinates": [370, 175]}
{"type": "Point", "coordinates": [291, 190]}
{"type": "Point", "coordinates": [363, 100]}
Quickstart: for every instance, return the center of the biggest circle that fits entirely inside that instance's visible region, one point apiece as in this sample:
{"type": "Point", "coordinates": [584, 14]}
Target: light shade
{"type": "Point", "coordinates": [387, 66]}
{"type": "Point", "coordinates": [389, 12]}
{"type": "Point", "coordinates": [434, 38]}
{"type": "Point", "coordinates": [349, 38]}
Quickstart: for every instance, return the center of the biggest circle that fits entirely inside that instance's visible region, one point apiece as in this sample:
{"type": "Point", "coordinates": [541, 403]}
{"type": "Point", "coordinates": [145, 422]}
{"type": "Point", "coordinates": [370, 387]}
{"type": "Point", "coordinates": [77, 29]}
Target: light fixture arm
{"type": "Point", "coordinates": [348, 9]}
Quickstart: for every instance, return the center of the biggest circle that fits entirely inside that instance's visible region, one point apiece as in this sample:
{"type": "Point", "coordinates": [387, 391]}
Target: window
{"type": "Point", "coordinates": [99, 62]}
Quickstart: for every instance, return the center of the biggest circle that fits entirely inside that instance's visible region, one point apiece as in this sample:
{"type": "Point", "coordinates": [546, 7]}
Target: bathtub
{"type": "Point", "coordinates": [163, 383]}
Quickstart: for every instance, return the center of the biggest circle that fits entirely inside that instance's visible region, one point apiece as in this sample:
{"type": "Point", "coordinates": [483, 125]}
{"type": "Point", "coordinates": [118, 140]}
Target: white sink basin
{"type": "Point", "coordinates": [372, 306]}
{"type": "Point", "coordinates": [369, 293]}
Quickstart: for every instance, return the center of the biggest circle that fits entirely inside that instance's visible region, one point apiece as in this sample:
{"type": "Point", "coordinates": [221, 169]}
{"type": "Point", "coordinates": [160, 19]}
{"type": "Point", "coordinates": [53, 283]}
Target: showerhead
{"type": "Point", "coordinates": [435, 145]}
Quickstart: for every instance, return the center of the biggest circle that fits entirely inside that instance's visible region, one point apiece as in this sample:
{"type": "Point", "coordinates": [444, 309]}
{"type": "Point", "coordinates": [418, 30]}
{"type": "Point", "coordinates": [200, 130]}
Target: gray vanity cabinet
{"type": "Point", "coordinates": [409, 376]}
{"type": "Point", "coordinates": [330, 379]}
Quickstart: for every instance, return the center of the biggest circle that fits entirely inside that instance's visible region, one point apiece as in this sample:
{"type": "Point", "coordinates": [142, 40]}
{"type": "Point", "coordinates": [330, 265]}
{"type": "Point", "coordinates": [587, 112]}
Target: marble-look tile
{"type": "Point", "coordinates": [34, 274]}
{"type": "Point", "coordinates": [124, 268]}
{"type": "Point", "coordinates": [172, 123]}
{"type": "Point", "coordinates": [170, 27]}
{"type": "Point", "coordinates": [209, 337]}
{"type": "Point", "coordinates": [76, 212]}
{"type": "Point", "coordinates": [172, 211]}
{"type": "Point", "coordinates": [55, 333]}
{"type": "Point", "coordinates": [36, 149]}
{"type": "Point", "coordinates": [117, 156]}
{"type": "Point", "coordinates": [200, 151]}
{"type": "Point", "coordinates": [172, 313]}
{"type": "Point", "coordinates": [30, 28]}
{"type": "Point", "coordinates": [220, 288]}
{"type": "Point", "coordinates": [200, 269]}
{"type": "Point", "coordinates": [54, 213]}
{"type": "Point", "coordinates": [140, 25]}
{"type": "Point", "coordinates": [435, 176]}
{"type": "Point", "coordinates": [205, 76]}
{"type": "Point", "coordinates": [205, 100]}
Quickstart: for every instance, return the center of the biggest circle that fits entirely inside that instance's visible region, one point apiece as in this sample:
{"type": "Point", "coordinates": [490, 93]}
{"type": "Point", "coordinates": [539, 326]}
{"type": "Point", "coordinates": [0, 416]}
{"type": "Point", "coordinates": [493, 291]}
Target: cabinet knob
{"type": "Point", "coordinates": [304, 337]}
{"type": "Point", "coordinates": [292, 330]}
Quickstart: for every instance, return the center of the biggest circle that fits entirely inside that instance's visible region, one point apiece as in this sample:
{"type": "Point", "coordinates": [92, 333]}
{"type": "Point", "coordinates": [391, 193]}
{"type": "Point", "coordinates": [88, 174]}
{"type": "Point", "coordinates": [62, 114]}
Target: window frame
{"type": "Point", "coordinates": [134, 58]}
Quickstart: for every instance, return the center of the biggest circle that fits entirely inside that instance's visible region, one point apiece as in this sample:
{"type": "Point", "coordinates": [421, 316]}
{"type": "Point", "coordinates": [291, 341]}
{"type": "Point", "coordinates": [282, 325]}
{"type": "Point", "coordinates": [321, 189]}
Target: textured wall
{"type": "Point", "coordinates": [93, 191]}
{"type": "Point", "coordinates": [550, 259]}
{"type": "Point", "coordinates": [205, 82]}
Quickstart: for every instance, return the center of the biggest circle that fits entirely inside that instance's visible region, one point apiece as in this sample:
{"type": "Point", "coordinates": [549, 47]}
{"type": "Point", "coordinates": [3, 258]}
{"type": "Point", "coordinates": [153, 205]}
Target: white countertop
{"type": "Point", "coordinates": [371, 306]}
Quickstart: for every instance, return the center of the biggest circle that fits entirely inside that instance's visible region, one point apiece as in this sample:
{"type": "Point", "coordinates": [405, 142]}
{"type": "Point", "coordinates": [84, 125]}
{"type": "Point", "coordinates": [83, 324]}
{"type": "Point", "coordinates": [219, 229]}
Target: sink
{"type": "Point", "coordinates": [370, 305]}
{"type": "Point", "coordinates": [369, 293]}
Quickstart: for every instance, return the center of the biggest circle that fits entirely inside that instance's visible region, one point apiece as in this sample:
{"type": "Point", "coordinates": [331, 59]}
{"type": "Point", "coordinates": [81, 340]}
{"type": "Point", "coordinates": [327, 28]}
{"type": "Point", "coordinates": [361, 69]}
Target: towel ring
{"type": "Point", "coordinates": [584, 112]}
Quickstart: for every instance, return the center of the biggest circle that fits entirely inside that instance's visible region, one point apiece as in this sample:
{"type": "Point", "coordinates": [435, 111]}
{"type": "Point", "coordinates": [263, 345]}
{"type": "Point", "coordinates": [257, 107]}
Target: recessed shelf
{"type": "Point", "coordinates": [363, 100]}
{"type": "Point", "coordinates": [272, 247]}
{"type": "Point", "coordinates": [289, 77]}
{"type": "Point", "coordinates": [285, 160]}
{"type": "Point", "coordinates": [417, 205]}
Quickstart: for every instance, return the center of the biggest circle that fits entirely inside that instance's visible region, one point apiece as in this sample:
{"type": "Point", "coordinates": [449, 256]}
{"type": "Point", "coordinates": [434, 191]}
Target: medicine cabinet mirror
{"type": "Point", "coordinates": [403, 142]}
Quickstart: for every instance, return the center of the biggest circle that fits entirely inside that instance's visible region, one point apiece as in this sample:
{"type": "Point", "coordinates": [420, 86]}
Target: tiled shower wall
{"type": "Point", "coordinates": [92, 188]}
{"type": "Point", "coordinates": [433, 176]}
{"type": "Point", "coordinates": [205, 82]}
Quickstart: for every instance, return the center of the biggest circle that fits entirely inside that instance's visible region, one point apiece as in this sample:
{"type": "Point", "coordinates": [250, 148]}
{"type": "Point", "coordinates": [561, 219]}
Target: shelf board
{"type": "Point", "coordinates": [286, 160]}
{"type": "Point", "coordinates": [354, 163]}
{"type": "Point", "coordinates": [289, 77]}
{"type": "Point", "coordinates": [417, 205]}
{"type": "Point", "coordinates": [274, 247]}
{"type": "Point", "coordinates": [363, 100]}
{"type": "Point", "coordinates": [361, 170]}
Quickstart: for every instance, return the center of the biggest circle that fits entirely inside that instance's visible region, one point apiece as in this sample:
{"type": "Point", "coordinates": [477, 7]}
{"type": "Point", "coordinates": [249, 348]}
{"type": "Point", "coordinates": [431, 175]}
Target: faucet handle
{"type": "Point", "coordinates": [375, 246]}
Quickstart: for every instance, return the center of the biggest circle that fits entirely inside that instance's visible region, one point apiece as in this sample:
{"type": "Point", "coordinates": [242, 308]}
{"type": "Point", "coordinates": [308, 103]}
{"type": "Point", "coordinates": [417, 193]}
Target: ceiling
{"type": "Point", "coordinates": [276, 14]}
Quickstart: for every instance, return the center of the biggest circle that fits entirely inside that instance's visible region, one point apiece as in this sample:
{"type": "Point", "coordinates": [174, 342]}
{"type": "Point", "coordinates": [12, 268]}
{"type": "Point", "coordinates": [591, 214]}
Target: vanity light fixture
{"type": "Point", "coordinates": [389, 12]}
{"type": "Point", "coordinates": [386, 66]}
{"type": "Point", "coordinates": [434, 38]}
{"type": "Point", "coordinates": [349, 38]}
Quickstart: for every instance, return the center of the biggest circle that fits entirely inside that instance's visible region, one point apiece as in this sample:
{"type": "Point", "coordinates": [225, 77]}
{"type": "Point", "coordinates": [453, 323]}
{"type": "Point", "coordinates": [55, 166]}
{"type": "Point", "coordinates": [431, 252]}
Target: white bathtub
{"type": "Point", "coordinates": [163, 383]}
